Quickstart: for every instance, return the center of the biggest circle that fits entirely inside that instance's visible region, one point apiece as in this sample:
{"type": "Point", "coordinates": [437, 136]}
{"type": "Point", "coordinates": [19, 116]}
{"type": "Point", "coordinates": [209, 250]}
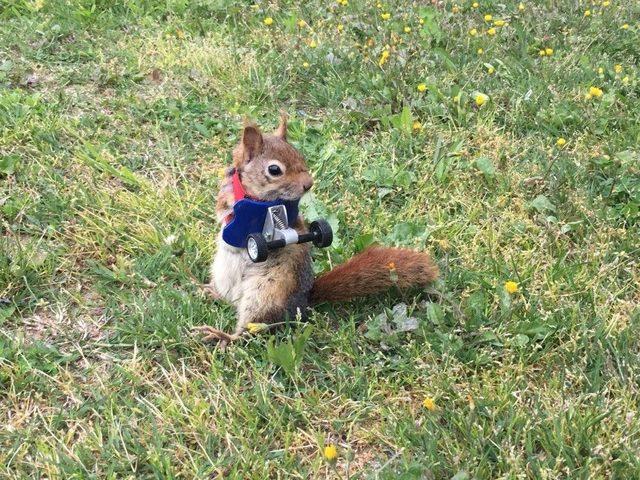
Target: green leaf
{"type": "Point", "coordinates": [542, 204]}
{"type": "Point", "coordinates": [362, 241]}
{"type": "Point", "coordinates": [485, 165]}
{"type": "Point", "coordinates": [8, 164]}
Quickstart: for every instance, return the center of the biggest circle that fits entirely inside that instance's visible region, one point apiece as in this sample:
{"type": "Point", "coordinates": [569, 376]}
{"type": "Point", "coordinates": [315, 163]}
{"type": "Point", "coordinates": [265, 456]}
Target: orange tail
{"type": "Point", "coordinates": [372, 271]}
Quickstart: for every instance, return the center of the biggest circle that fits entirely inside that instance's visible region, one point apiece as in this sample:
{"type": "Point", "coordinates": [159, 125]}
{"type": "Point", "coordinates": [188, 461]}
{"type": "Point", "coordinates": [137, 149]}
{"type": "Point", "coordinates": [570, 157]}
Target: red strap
{"type": "Point", "coordinates": [238, 189]}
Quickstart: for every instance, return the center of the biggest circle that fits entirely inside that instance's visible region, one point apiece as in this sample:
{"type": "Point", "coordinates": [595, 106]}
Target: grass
{"type": "Point", "coordinates": [115, 120]}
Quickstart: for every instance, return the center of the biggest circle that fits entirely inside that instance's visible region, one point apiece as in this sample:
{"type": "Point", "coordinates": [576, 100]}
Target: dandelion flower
{"type": "Point", "coordinates": [595, 92]}
{"type": "Point", "coordinates": [480, 99]}
{"type": "Point", "coordinates": [475, 5]}
{"type": "Point", "coordinates": [301, 23]}
{"type": "Point", "coordinates": [416, 126]}
{"type": "Point", "coordinates": [305, 64]}
{"type": "Point", "coordinates": [268, 21]}
{"type": "Point", "coordinates": [488, 17]}
{"type": "Point", "coordinates": [480, 51]}
{"type": "Point", "coordinates": [490, 70]}
{"type": "Point", "coordinates": [421, 21]}
{"type": "Point", "coordinates": [340, 27]}
{"type": "Point", "coordinates": [256, 327]}
{"type": "Point", "coordinates": [384, 57]}
{"type": "Point", "coordinates": [491, 31]}
{"type": "Point", "coordinates": [313, 44]}
{"type": "Point", "coordinates": [521, 6]}
{"type": "Point", "coordinates": [561, 142]}
{"type": "Point", "coordinates": [473, 32]}
{"type": "Point", "coordinates": [606, 3]}
{"type": "Point", "coordinates": [430, 404]}
{"type": "Point", "coordinates": [625, 79]}
{"type": "Point", "coordinates": [542, 52]}
{"type": "Point", "coordinates": [625, 26]}
{"type": "Point", "coordinates": [600, 71]}
{"type": "Point", "coordinates": [391, 265]}
{"type": "Point", "coordinates": [330, 452]}
{"type": "Point", "coordinates": [617, 68]}
{"type": "Point", "coordinates": [548, 51]}
{"type": "Point", "coordinates": [511, 287]}
{"type": "Point", "coordinates": [407, 29]}
{"type": "Point", "coordinates": [385, 16]}
{"type": "Point", "coordinates": [499, 23]}
{"type": "Point", "coordinates": [587, 13]}
{"type": "Point", "coordinates": [422, 87]}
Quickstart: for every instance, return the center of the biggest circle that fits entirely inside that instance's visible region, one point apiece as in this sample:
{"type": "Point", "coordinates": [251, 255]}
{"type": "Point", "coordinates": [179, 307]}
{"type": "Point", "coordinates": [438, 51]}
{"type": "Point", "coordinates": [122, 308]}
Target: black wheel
{"type": "Point", "coordinates": [257, 248]}
{"type": "Point", "coordinates": [322, 233]}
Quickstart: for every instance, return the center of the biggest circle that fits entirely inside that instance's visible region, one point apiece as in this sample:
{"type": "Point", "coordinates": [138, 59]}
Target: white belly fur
{"type": "Point", "coordinates": [227, 270]}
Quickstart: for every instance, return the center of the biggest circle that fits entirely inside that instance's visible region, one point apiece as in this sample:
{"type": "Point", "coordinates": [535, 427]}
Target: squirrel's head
{"type": "Point", "coordinates": [270, 168]}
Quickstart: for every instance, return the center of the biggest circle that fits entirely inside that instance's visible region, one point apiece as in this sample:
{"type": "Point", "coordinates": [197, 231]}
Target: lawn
{"type": "Point", "coordinates": [501, 137]}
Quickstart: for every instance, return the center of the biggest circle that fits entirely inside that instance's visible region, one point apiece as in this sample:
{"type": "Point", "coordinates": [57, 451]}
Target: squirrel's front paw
{"type": "Point", "coordinates": [209, 335]}
{"type": "Point", "coordinates": [210, 291]}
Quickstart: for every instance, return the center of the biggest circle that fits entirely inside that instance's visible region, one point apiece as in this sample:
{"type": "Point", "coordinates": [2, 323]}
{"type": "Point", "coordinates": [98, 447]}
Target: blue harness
{"type": "Point", "coordinates": [249, 215]}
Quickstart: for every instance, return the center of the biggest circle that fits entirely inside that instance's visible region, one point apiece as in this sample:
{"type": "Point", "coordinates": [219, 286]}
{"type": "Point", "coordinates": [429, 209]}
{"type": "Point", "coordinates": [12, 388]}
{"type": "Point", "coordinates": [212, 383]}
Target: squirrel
{"type": "Point", "coordinates": [270, 168]}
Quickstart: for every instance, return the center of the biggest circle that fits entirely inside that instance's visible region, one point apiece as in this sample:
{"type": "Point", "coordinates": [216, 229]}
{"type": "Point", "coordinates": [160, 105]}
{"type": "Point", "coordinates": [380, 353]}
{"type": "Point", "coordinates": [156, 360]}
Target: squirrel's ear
{"type": "Point", "coordinates": [282, 128]}
{"type": "Point", "coordinates": [251, 141]}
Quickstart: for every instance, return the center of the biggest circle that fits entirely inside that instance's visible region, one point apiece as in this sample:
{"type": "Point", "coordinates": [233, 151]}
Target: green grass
{"type": "Point", "coordinates": [115, 120]}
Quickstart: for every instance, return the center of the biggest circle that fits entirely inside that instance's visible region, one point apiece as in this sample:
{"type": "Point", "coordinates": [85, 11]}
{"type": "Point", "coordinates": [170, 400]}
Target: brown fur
{"type": "Point", "coordinates": [372, 271]}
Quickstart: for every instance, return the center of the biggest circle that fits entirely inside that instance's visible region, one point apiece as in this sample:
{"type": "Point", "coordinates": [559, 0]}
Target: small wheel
{"type": "Point", "coordinates": [257, 248]}
{"type": "Point", "coordinates": [322, 233]}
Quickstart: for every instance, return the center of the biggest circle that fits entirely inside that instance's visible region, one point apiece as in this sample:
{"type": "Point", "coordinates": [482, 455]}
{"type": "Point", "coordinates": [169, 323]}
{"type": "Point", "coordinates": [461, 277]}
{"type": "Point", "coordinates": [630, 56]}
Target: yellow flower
{"type": "Point", "coordinates": [625, 79]}
{"type": "Point", "coordinates": [480, 99]}
{"type": "Point", "coordinates": [606, 3]}
{"type": "Point", "coordinates": [617, 68]}
{"type": "Point", "coordinates": [595, 92]}
{"type": "Point", "coordinates": [430, 404]}
{"type": "Point", "coordinates": [480, 51]}
{"type": "Point", "coordinates": [561, 142]}
{"type": "Point", "coordinates": [385, 16]}
{"type": "Point", "coordinates": [301, 23]}
{"type": "Point", "coordinates": [305, 64]}
{"type": "Point", "coordinates": [421, 21]}
{"type": "Point", "coordinates": [491, 31]}
{"type": "Point", "coordinates": [379, 5]}
{"type": "Point", "coordinates": [407, 29]}
{"type": "Point", "coordinates": [455, 9]}
{"type": "Point", "coordinates": [340, 27]}
{"type": "Point", "coordinates": [391, 266]}
{"type": "Point", "coordinates": [256, 327]}
{"type": "Point", "coordinates": [268, 21]}
{"type": "Point", "coordinates": [499, 23]}
{"type": "Point", "coordinates": [417, 125]}
{"type": "Point", "coordinates": [384, 57]}
{"type": "Point", "coordinates": [490, 70]}
{"type": "Point", "coordinates": [313, 44]}
{"type": "Point", "coordinates": [521, 6]}
{"type": "Point", "coordinates": [488, 17]}
{"type": "Point", "coordinates": [587, 13]}
{"type": "Point", "coordinates": [330, 452]}
{"type": "Point", "coordinates": [475, 5]}
{"type": "Point", "coordinates": [548, 51]}
{"type": "Point", "coordinates": [345, 3]}
{"type": "Point", "coordinates": [422, 87]}
{"type": "Point", "coordinates": [600, 71]}
{"type": "Point", "coordinates": [625, 26]}
{"type": "Point", "coordinates": [511, 287]}
{"type": "Point", "coordinates": [473, 32]}
{"type": "Point", "coordinates": [542, 52]}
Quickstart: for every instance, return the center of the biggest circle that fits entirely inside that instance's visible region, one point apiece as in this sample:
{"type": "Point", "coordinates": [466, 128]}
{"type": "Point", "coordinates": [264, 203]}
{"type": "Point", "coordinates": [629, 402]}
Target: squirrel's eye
{"type": "Point", "coordinates": [275, 170]}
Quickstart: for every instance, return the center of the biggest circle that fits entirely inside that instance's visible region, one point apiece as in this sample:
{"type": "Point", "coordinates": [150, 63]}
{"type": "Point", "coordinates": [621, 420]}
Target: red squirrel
{"type": "Point", "coordinates": [284, 286]}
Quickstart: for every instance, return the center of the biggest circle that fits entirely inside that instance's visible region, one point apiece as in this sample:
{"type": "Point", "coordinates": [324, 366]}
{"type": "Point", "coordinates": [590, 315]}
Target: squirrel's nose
{"type": "Point", "coordinates": [307, 185]}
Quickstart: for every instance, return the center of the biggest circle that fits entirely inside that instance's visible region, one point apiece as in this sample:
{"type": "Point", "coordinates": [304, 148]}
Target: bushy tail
{"type": "Point", "coordinates": [372, 271]}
